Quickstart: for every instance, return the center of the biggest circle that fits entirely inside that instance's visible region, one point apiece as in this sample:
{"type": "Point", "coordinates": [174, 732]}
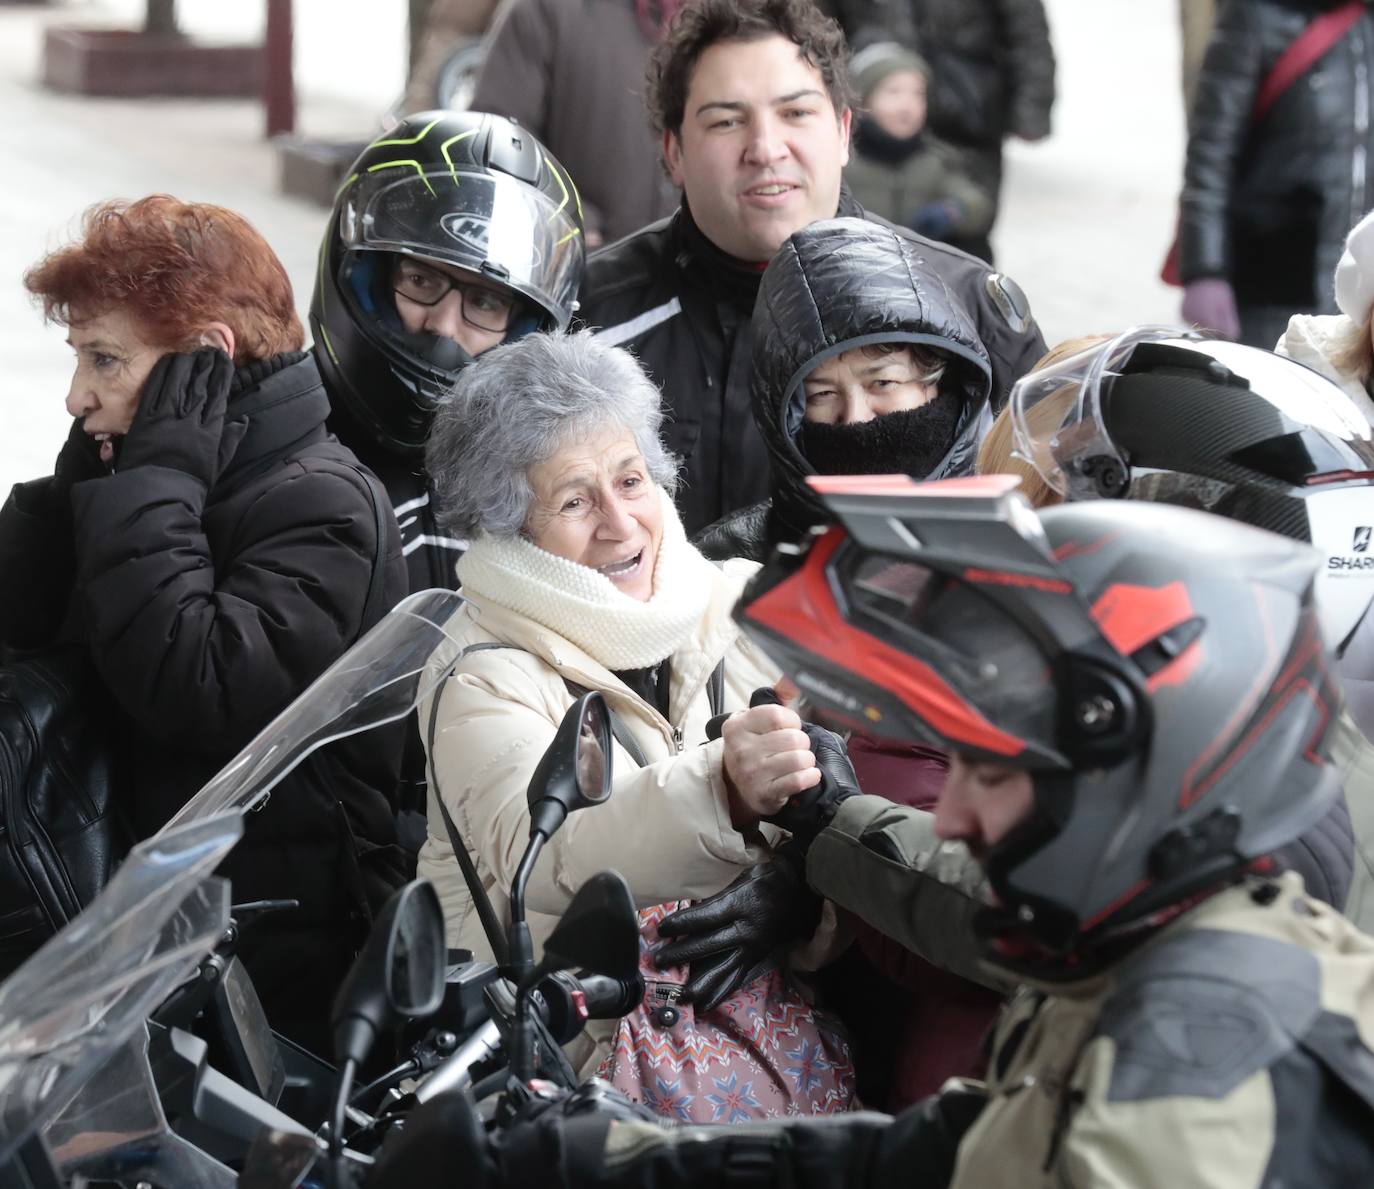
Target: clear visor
{"type": "Point", "coordinates": [489, 224]}
{"type": "Point", "coordinates": [1056, 414]}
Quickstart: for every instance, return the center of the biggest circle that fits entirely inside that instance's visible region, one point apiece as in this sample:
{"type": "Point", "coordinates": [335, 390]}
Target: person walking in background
{"type": "Point", "coordinates": [992, 74]}
{"type": "Point", "coordinates": [1278, 163]}
{"type": "Point", "coordinates": [572, 72]}
{"type": "Point", "coordinates": [897, 169]}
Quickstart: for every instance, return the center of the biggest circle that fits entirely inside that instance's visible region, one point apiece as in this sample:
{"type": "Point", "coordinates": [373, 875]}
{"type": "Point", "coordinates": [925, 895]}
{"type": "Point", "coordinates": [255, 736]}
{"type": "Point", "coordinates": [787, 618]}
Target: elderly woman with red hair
{"type": "Point", "coordinates": [214, 548]}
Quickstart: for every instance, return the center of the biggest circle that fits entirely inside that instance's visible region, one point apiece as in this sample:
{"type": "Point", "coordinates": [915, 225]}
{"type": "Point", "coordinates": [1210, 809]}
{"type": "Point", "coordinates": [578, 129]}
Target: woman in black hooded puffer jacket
{"type": "Point", "coordinates": [1266, 208]}
{"type": "Point", "coordinates": [833, 286]}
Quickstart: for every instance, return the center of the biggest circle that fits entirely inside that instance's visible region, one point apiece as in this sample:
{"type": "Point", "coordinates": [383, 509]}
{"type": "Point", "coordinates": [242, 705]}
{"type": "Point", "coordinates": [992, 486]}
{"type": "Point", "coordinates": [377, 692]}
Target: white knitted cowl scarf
{"type": "Point", "coordinates": [585, 607]}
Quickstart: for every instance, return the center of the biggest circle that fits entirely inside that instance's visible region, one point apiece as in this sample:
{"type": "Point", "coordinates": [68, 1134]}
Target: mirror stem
{"type": "Point", "coordinates": [520, 948]}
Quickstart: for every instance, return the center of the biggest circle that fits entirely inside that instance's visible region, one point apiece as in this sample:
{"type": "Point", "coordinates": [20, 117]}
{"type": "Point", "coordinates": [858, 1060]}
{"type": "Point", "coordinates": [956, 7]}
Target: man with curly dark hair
{"type": "Point", "coordinates": [751, 100]}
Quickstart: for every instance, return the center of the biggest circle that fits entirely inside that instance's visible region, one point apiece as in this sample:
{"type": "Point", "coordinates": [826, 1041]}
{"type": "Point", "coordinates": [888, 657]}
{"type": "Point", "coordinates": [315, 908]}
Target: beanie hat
{"type": "Point", "coordinates": [1355, 272]}
{"type": "Point", "coordinates": [875, 62]}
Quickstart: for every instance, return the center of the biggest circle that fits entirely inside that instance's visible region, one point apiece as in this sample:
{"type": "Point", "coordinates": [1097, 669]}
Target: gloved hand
{"type": "Point", "coordinates": [444, 1133]}
{"type": "Point", "coordinates": [1210, 303]}
{"type": "Point", "coordinates": [728, 937]}
{"type": "Point", "coordinates": [810, 811]}
{"type": "Point", "coordinates": [935, 220]}
{"type": "Point", "coordinates": [77, 461]}
{"type": "Point", "coordinates": [180, 418]}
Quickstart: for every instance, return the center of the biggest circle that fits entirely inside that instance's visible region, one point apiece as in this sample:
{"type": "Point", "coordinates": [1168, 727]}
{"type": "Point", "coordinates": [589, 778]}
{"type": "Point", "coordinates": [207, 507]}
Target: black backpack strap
{"type": "Point", "coordinates": [496, 935]}
{"type": "Point", "coordinates": [376, 584]}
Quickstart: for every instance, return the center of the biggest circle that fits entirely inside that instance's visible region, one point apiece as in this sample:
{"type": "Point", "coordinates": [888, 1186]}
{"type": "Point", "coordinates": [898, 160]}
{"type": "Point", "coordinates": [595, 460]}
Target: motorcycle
{"type": "Point", "coordinates": [103, 1076]}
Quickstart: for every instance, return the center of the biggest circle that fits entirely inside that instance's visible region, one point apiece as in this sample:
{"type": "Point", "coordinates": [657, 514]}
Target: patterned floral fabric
{"type": "Point", "coordinates": [765, 1053]}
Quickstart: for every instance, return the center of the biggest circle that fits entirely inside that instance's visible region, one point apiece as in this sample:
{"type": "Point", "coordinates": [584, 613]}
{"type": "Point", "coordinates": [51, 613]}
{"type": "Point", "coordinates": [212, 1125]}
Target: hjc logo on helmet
{"type": "Point", "coordinates": [469, 230]}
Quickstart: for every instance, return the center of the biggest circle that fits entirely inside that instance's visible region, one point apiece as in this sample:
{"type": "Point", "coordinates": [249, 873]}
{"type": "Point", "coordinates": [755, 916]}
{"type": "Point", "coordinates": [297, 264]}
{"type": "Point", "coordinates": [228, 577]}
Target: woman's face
{"type": "Point", "coordinates": [452, 303]}
{"type": "Point", "coordinates": [113, 359]}
{"type": "Point", "coordinates": [595, 504]}
{"type": "Point", "coordinates": [859, 385]}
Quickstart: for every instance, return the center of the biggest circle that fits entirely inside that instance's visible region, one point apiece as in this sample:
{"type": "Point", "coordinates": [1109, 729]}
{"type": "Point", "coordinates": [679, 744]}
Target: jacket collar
{"type": "Point", "coordinates": [284, 403]}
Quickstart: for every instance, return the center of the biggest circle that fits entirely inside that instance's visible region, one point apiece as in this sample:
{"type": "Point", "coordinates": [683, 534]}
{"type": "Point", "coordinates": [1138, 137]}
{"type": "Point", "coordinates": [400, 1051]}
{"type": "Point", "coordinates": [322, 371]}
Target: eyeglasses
{"type": "Point", "coordinates": [486, 309]}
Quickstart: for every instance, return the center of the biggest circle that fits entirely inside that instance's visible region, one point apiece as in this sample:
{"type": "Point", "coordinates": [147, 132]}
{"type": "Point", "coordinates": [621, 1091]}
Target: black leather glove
{"type": "Point", "coordinates": [727, 938]}
{"type": "Point", "coordinates": [180, 419]}
{"type": "Point", "coordinates": [77, 461]}
{"type": "Point", "coordinates": [809, 812]}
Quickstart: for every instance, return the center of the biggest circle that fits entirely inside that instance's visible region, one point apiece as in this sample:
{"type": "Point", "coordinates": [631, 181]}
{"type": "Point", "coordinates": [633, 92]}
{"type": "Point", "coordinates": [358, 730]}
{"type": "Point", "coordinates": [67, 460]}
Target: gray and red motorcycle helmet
{"type": "Point", "coordinates": [1159, 671]}
{"type": "Point", "coordinates": [463, 189]}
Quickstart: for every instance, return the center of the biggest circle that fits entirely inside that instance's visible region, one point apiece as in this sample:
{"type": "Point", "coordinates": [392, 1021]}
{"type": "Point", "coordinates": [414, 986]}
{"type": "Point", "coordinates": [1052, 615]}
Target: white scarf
{"type": "Point", "coordinates": [585, 607]}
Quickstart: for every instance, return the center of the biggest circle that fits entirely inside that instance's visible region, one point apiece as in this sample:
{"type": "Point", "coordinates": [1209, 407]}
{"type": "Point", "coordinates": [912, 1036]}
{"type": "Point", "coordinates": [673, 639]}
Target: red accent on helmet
{"type": "Point", "coordinates": [1338, 477]}
{"type": "Point", "coordinates": [802, 608]}
{"type": "Point", "coordinates": [1028, 581]}
{"type": "Point", "coordinates": [1133, 616]}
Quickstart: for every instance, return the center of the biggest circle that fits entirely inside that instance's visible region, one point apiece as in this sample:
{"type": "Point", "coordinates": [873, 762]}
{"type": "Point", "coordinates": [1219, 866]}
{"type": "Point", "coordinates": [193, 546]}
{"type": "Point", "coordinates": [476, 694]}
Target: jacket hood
{"type": "Point", "coordinates": [839, 284]}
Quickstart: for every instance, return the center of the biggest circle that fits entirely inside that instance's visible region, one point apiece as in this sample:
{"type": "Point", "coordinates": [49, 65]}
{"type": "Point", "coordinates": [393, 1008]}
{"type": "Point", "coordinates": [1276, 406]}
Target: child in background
{"type": "Point", "coordinates": [898, 169]}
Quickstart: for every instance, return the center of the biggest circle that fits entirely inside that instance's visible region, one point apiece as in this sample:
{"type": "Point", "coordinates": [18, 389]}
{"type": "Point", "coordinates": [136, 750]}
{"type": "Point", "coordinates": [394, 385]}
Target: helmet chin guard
{"type": "Point", "coordinates": [1158, 671]}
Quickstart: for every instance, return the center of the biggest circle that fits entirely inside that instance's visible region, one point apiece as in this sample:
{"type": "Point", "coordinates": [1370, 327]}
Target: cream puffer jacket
{"type": "Point", "coordinates": [666, 827]}
{"type": "Point", "coordinates": [1310, 339]}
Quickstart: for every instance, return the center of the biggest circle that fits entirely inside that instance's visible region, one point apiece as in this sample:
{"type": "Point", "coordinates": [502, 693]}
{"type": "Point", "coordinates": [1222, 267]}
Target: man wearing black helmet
{"type": "Point", "coordinates": [453, 232]}
{"type": "Point", "coordinates": [1139, 702]}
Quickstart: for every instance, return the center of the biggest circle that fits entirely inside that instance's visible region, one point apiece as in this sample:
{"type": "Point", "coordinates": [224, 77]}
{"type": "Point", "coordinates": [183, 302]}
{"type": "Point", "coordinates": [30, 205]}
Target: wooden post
{"type": "Point", "coordinates": [160, 18]}
{"type": "Point", "coordinates": [278, 80]}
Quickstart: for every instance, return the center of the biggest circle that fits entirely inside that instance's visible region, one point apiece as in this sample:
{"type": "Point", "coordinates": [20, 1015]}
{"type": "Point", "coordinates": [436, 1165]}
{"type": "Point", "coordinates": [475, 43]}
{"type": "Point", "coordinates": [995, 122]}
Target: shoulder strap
{"type": "Point", "coordinates": [1309, 45]}
{"type": "Point", "coordinates": [496, 936]}
{"type": "Point", "coordinates": [375, 584]}
{"type": "Point", "coordinates": [715, 688]}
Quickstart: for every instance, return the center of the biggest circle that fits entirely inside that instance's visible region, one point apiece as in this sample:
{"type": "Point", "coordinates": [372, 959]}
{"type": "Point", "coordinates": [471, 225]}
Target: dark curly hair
{"type": "Point", "coordinates": [702, 23]}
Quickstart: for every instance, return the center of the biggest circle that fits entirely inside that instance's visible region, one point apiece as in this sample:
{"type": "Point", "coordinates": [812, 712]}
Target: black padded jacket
{"type": "Point", "coordinates": [1268, 206]}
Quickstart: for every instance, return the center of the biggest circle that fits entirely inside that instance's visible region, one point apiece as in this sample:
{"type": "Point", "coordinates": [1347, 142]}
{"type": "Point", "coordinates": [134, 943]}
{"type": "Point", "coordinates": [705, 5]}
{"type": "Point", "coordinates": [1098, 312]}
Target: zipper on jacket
{"type": "Point", "coordinates": [677, 738]}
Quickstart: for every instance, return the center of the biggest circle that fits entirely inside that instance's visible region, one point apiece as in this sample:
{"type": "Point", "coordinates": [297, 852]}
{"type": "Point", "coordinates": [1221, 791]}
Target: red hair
{"type": "Point", "coordinates": [175, 267]}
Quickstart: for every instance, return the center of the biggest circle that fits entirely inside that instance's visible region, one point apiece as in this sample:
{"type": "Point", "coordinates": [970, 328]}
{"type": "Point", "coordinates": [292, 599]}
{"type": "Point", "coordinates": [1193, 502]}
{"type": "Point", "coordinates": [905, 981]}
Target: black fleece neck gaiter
{"type": "Point", "coordinates": [911, 442]}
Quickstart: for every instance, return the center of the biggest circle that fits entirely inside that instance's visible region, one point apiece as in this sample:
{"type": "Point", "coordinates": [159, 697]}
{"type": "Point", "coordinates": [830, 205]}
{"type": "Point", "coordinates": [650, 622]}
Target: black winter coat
{"type": "Point", "coordinates": [1268, 207]}
{"type": "Point", "coordinates": [992, 65]}
{"type": "Point", "coordinates": [684, 308]}
{"type": "Point", "coordinates": [206, 612]}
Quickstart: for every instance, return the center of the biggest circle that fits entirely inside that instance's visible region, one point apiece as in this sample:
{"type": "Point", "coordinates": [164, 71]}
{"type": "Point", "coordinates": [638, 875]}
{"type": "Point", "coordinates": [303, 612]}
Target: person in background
{"type": "Point", "coordinates": [897, 169]}
{"type": "Point", "coordinates": [992, 74]}
{"type": "Point", "coordinates": [1276, 170]}
{"type": "Point", "coordinates": [1341, 346]}
{"type": "Point", "coordinates": [572, 72]}
{"type": "Point", "coordinates": [215, 549]}
{"type": "Point", "coordinates": [751, 98]}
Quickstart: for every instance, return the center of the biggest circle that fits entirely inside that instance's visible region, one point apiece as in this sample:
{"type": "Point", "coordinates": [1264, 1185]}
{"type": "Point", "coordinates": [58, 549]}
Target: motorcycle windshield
{"type": "Point", "coordinates": [79, 998]}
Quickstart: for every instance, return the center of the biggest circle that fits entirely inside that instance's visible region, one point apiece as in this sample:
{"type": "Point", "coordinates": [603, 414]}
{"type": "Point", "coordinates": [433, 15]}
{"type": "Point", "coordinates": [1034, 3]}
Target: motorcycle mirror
{"type": "Point", "coordinates": [399, 975]}
{"type": "Point", "coordinates": [599, 932]}
{"type": "Point", "coordinates": [575, 771]}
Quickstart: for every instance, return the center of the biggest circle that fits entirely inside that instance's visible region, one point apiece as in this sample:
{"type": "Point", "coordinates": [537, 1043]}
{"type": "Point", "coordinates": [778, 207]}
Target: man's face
{"type": "Point", "coordinates": [761, 150]}
{"type": "Point", "coordinates": [982, 803]}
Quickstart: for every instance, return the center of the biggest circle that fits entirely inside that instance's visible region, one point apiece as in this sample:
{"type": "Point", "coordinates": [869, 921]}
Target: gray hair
{"type": "Point", "coordinates": [516, 407]}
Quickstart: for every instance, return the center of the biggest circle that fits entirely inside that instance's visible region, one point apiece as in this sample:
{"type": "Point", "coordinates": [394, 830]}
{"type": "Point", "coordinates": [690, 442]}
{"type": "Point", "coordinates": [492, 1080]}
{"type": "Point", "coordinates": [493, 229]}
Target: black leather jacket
{"type": "Point", "coordinates": [1268, 207]}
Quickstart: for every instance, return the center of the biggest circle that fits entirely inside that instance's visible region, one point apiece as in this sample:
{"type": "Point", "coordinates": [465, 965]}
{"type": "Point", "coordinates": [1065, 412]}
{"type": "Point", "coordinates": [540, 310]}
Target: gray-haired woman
{"type": "Point", "coordinates": [547, 456]}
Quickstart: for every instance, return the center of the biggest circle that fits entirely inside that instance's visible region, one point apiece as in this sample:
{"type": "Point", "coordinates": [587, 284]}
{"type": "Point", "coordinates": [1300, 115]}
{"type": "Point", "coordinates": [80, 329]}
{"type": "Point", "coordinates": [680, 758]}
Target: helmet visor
{"type": "Point", "coordinates": [489, 224]}
{"type": "Point", "coordinates": [983, 657]}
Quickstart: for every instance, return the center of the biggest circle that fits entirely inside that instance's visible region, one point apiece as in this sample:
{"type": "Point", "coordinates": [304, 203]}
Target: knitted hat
{"type": "Point", "coordinates": [870, 65]}
{"type": "Point", "coordinates": [1355, 272]}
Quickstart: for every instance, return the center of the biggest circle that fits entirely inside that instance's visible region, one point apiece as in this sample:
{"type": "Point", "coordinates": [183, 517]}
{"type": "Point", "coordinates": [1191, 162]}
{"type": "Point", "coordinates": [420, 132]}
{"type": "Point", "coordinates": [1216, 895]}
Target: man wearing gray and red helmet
{"type": "Point", "coordinates": [1138, 700]}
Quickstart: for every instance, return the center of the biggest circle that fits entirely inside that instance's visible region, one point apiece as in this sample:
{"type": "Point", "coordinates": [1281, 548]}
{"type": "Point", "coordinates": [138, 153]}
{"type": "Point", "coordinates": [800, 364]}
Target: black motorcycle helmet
{"type": "Point", "coordinates": [1159, 672]}
{"type": "Point", "coordinates": [1160, 413]}
{"type": "Point", "coordinates": [462, 189]}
